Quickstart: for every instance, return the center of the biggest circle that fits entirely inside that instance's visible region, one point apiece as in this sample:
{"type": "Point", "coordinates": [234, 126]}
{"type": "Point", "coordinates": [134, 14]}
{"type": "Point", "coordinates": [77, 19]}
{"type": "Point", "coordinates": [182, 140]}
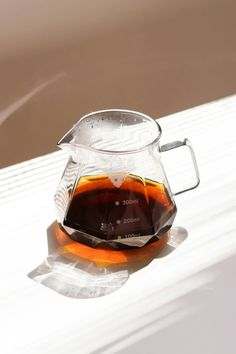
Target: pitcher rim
{"type": "Point", "coordinates": [105, 151]}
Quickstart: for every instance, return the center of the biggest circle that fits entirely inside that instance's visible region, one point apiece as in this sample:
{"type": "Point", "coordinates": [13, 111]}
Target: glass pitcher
{"type": "Point", "coordinates": [114, 189]}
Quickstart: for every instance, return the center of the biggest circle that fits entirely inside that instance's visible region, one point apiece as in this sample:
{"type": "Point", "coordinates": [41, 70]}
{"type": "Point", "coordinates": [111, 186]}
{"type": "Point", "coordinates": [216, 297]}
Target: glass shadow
{"type": "Point", "coordinates": [79, 271]}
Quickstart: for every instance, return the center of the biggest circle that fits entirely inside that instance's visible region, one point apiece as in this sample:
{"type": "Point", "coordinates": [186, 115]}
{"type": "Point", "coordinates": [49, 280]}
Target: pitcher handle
{"type": "Point", "coordinates": [176, 144]}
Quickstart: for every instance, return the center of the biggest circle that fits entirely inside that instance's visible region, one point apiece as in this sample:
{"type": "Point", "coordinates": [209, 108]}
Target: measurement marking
{"type": "Point", "coordinates": [130, 235]}
{"type": "Point", "coordinates": [117, 203]}
{"type": "Point", "coordinates": [118, 221]}
{"type": "Point", "coordinates": [131, 220]}
{"type": "Point", "coordinates": [130, 201]}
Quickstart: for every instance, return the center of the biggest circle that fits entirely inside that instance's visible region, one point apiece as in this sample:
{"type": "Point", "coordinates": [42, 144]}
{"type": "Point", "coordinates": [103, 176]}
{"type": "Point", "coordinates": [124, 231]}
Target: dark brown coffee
{"type": "Point", "coordinates": [138, 207]}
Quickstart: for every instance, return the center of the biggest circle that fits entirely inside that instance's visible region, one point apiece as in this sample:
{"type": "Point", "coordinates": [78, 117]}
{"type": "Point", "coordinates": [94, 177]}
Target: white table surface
{"type": "Point", "coordinates": [181, 303]}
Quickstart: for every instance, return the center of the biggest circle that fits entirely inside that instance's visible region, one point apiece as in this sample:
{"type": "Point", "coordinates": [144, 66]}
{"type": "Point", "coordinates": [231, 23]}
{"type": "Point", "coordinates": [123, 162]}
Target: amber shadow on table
{"type": "Point", "coordinates": [75, 270]}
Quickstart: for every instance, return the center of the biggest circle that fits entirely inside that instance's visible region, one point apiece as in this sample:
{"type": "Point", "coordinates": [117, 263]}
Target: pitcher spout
{"type": "Point", "coordinates": [70, 141]}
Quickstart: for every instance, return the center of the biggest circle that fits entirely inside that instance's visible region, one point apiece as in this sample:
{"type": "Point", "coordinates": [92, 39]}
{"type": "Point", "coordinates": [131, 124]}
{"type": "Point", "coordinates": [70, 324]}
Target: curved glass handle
{"type": "Point", "coordinates": [177, 144]}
